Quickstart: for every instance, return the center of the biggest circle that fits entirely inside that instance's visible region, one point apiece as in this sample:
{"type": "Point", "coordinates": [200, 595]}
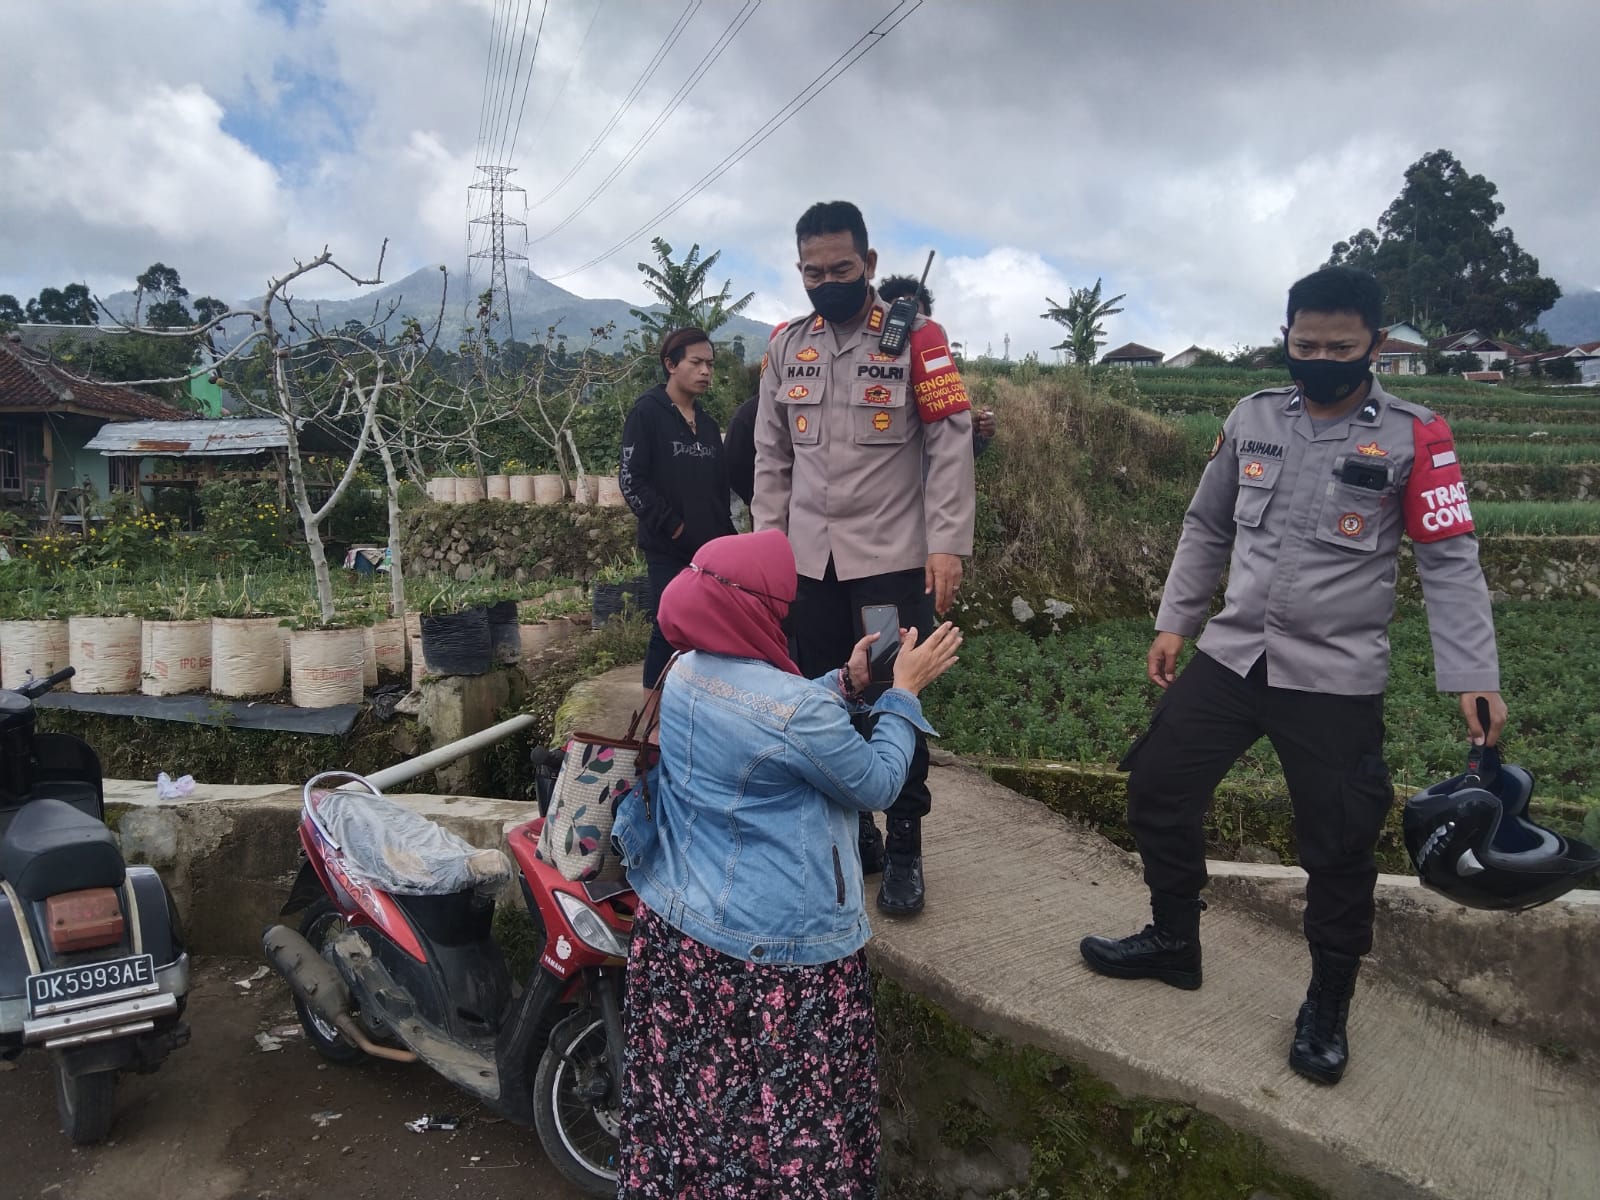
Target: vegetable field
{"type": "Point", "coordinates": [1532, 463]}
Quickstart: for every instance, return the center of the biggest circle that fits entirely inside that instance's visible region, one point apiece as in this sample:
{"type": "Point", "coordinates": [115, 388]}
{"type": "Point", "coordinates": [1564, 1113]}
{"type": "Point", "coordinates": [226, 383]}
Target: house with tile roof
{"type": "Point", "coordinates": [48, 415]}
{"type": "Point", "coordinates": [1397, 356]}
{"type": "Point", "coordinates": [1132, 355]}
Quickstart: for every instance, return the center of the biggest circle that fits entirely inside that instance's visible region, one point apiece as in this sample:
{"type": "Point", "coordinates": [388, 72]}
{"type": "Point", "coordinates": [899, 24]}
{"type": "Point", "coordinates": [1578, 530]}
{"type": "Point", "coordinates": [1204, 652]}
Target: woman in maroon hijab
{"type": "Point", "coordinates": [751, 1066]}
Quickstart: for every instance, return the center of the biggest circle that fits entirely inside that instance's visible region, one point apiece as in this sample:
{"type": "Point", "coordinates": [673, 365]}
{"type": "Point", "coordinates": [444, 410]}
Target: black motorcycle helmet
{"type": "Point", "coordinates": [1470, 838]}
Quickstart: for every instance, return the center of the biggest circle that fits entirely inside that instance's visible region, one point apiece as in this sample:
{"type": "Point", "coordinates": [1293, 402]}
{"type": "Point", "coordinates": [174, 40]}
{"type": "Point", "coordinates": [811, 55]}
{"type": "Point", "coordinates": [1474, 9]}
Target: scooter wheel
{"type": "Point", "coordinates": [577, 1127]}
{"type": "Point", "coordinates": [321, 924]}
{"type": "Point", "coordinates": [85, 1103]}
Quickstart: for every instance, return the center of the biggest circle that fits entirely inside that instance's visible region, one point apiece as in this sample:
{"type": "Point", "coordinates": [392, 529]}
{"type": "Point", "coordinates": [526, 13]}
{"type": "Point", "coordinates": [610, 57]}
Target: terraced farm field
{"type": "Point", "coordinates": [1071, 688]}
{"type": "Point", "coordinates": [1531, 460]}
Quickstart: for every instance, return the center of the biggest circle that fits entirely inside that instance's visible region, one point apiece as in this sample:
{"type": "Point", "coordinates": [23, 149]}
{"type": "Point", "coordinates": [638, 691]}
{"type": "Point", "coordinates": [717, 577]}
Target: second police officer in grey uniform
{"type": "Point", "coordinates": [1304, 500]}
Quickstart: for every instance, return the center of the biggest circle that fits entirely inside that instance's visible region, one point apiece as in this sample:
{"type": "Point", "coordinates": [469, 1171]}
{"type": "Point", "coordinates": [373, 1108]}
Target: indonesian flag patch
{"type": "Point", "coordinates": [935, 381]}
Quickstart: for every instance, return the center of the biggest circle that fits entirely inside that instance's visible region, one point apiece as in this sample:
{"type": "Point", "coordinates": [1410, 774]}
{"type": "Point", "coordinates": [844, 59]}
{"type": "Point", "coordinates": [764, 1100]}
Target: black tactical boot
{"type": "Point", "coordinates": [1168, 949]}
{"type": "Point", "coordinates": [900, 894]}
{"type": "Point", "coordinates": [869, 844]}
{"type": "Point", "coordinates": [1321, 1050]}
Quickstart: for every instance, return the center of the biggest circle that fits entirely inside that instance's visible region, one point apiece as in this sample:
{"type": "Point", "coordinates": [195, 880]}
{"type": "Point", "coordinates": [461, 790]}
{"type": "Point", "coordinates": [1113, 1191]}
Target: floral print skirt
{"type": "Point", "coordinates": [745, 1080]}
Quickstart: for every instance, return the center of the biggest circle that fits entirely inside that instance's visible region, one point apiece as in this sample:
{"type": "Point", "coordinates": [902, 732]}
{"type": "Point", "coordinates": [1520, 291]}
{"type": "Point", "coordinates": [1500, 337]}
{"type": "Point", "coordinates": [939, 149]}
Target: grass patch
{"type": "Point", "coordinates": [966, 1093]}
{"type": "Point", "coordinates": [142, 747]}
{"type": "Point", "coordinates": [1476, 429]}
{"type": "Point", "coordinates": [1537, 452]}
{"type": "Point", "coordinates": [1081, 494]}
{"type": "Point", "coordinates": [1081, 696]}
{"type": "Point", "coordinates": [1216, 390]}
{"type": "Point", "coordinates": [1575, 518]}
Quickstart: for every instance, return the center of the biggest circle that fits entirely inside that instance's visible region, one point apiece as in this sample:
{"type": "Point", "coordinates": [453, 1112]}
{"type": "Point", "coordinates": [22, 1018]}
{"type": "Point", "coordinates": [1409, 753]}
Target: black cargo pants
{"type": "Point", "coordinates": [1331, 748]}
{"type": "Point", "coordinates": [826, 624]}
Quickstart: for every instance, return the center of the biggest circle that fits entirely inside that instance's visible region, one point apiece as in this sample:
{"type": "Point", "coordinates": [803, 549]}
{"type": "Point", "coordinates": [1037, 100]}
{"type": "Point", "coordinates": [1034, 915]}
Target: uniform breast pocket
{"type": "Point", "coordinates": [1258, 482]}
{"type": "Point", "coordinates": [879, 414]}
{"type": "Point", "coordinates": [802, 410]}
{"type": "Point", "coordinates": [1351, 516]}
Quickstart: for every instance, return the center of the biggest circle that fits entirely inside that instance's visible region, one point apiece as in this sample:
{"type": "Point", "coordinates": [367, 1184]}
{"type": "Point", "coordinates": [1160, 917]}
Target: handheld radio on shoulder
{"type": "Point", "coordinates": [902, 314]}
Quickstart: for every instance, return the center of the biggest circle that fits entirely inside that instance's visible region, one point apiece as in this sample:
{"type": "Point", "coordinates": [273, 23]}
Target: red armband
{"type": "Point", "coordinates": [934, 379]}
{"type": "Point", "coordinates": [1436, 496]}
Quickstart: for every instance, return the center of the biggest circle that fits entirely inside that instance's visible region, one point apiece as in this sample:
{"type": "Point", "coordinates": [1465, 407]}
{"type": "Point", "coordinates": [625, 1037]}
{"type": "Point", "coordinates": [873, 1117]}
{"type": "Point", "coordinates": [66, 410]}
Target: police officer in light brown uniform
{"type": "Point", "coordinates": [1304, 501]}
{"type": "Point", "coordinates": [864, 458]}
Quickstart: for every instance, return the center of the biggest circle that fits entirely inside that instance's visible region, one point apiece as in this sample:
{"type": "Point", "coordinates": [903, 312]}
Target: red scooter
{"type": "Point", "coordinates": [408, 977]}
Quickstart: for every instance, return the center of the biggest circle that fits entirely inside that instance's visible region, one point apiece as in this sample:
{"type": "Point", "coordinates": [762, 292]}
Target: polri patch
{"type": "Point", "coordinates": [881, 421]}
{"type": "Point", "coordinates": [1372, 449]}
{"type": "Point", "coordinates": [799, 392]}
{"type": "Point", "coordinates": [1351, 524]}
{"type": "Point", "coordinates": [1215, 447]}
{"type": "Point", "coordinates": [808, 353]}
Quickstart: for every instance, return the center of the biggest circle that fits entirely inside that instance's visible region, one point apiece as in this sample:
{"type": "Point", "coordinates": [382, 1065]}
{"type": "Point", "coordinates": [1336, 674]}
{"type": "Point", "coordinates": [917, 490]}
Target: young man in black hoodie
{"type": "Point", "coordinates": [673, 474]}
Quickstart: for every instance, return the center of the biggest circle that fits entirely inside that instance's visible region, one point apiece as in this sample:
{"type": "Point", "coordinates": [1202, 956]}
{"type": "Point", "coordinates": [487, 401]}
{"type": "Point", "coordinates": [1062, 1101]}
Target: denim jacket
{"type": "Point", "coordinates": [750, 843]}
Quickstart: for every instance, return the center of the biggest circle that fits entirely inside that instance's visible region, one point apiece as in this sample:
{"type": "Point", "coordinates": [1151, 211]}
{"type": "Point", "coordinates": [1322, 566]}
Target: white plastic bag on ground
{"type": "Point", "coordinates": [168, 788]}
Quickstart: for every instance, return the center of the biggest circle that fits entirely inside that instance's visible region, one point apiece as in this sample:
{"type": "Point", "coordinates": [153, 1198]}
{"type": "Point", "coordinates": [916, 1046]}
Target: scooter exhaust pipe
{"type": "Point", "coordinates": [316, 982]}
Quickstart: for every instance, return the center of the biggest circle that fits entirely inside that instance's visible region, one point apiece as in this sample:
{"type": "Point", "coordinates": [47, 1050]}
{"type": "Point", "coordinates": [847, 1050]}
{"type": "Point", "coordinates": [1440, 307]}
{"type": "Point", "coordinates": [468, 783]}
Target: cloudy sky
{"type": "Point", "coordinates": [1196, 156]}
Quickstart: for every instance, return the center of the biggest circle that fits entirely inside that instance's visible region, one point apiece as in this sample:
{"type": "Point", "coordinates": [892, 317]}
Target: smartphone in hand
{"type": "Point", "coordinates": [883, 620]}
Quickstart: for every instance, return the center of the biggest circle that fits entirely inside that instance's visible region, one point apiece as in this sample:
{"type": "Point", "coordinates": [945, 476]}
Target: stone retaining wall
{"type": "Point", "coordinates": [1526, 568]}
{"type": "Point", "coordinates": [1526, 481]}
{"type": "Point", "coordinates": [521, 542]}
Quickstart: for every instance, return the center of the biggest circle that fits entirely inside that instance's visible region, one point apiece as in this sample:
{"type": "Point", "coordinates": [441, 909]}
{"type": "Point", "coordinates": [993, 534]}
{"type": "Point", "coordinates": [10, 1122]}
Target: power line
{"type": "Point", "coordinates": [534, 58]}
{"type": "Point", "coordinates": [494, 80]}
{"type": "Point", "coordinates": [741, 18]}
{"type": "Point", "coordinates": [504, 23]}
{"type": "Point", "coordinates": [562, 90]}
{"type": "Point", "coordinates": [488, 64]}
{"type": "Point", "coordinates": [805, 96]}
{"type": "Point", "coordinates": [633, 94]}
{"type": "Point", "coordinates": [500, 6]}
{"type": "Point", "coordinates": [502, 66]}
{"type": "Point", "coordinates": [504, 126]}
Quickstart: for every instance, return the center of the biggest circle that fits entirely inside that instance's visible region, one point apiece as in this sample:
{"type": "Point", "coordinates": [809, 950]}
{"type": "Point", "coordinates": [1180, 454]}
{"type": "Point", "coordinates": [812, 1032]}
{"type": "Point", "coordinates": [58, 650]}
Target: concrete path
{"type": "Point", "coordinates": [1431, 1106]}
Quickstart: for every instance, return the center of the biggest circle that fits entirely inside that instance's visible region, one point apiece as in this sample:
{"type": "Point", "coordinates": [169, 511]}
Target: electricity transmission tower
{"type": "Point", "coordinates": [494, 182]}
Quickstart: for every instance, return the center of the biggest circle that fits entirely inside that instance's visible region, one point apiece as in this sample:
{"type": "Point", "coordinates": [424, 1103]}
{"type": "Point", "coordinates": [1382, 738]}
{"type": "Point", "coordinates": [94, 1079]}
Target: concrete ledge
{"type": "Point", "coordinates": [1432, 1106]}
{"type": "Point", "coordinates": [1517, 972]}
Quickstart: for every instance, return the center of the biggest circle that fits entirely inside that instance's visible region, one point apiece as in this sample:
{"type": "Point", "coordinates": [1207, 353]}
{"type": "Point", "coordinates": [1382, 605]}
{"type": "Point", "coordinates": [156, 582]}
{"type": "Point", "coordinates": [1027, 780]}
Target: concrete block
{"type": "Point", "coordinates": [454, 706]}
{"type": "Point", "coordinates": [1510, 971]}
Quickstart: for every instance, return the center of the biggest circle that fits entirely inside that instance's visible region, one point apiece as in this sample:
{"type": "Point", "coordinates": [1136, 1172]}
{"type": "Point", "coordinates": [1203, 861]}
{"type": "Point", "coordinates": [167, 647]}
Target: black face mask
{"type": "Point", "coordinates": [838, 302]}
{"type": "Point", "coordinates": [1327, 382]}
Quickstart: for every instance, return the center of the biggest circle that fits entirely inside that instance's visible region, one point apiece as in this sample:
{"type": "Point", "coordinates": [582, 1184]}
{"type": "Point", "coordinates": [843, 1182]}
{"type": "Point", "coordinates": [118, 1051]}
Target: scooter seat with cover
{"type": "Point", "coordinates": [51, 847]}
{"type": "Point", "coordinates": [403, 852]}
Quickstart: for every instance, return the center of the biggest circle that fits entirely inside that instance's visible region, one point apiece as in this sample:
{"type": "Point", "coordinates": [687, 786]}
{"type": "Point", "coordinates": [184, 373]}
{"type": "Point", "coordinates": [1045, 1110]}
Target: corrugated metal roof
{"type": "Point", "coordinates": [190, 439]}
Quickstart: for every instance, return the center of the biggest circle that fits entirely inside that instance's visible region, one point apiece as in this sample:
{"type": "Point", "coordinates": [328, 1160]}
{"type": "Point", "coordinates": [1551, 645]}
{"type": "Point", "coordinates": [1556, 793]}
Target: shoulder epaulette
{"type": "Point", "coordinates": [1419, 411]}
{"type": "Point", "coordinates": [1273, 391]}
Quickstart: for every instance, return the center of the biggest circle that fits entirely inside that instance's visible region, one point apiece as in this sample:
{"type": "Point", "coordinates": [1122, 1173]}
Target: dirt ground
{"type": "Point", "coordinates": [226, 1120]}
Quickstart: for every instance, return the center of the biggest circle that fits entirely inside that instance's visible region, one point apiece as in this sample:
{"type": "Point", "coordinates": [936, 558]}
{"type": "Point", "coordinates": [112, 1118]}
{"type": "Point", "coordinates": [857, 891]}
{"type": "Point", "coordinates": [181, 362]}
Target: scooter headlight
{"type": "Point", "coordinates": [591, 927]}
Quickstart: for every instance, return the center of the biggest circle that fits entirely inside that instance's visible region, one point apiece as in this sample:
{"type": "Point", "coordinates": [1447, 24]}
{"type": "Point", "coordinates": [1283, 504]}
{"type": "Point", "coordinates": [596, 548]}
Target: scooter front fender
{"type": "Point", "coordinates": [522, 1040]}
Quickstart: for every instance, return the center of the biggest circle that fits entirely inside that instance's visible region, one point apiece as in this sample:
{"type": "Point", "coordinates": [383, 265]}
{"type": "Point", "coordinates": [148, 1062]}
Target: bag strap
{"type": "Point", "coordinates": [650, 714]}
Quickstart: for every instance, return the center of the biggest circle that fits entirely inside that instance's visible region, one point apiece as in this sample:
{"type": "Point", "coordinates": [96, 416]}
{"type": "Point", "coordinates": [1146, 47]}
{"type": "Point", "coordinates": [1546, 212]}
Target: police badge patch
{"type": "Point", "coordinates": [1215, 446]}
